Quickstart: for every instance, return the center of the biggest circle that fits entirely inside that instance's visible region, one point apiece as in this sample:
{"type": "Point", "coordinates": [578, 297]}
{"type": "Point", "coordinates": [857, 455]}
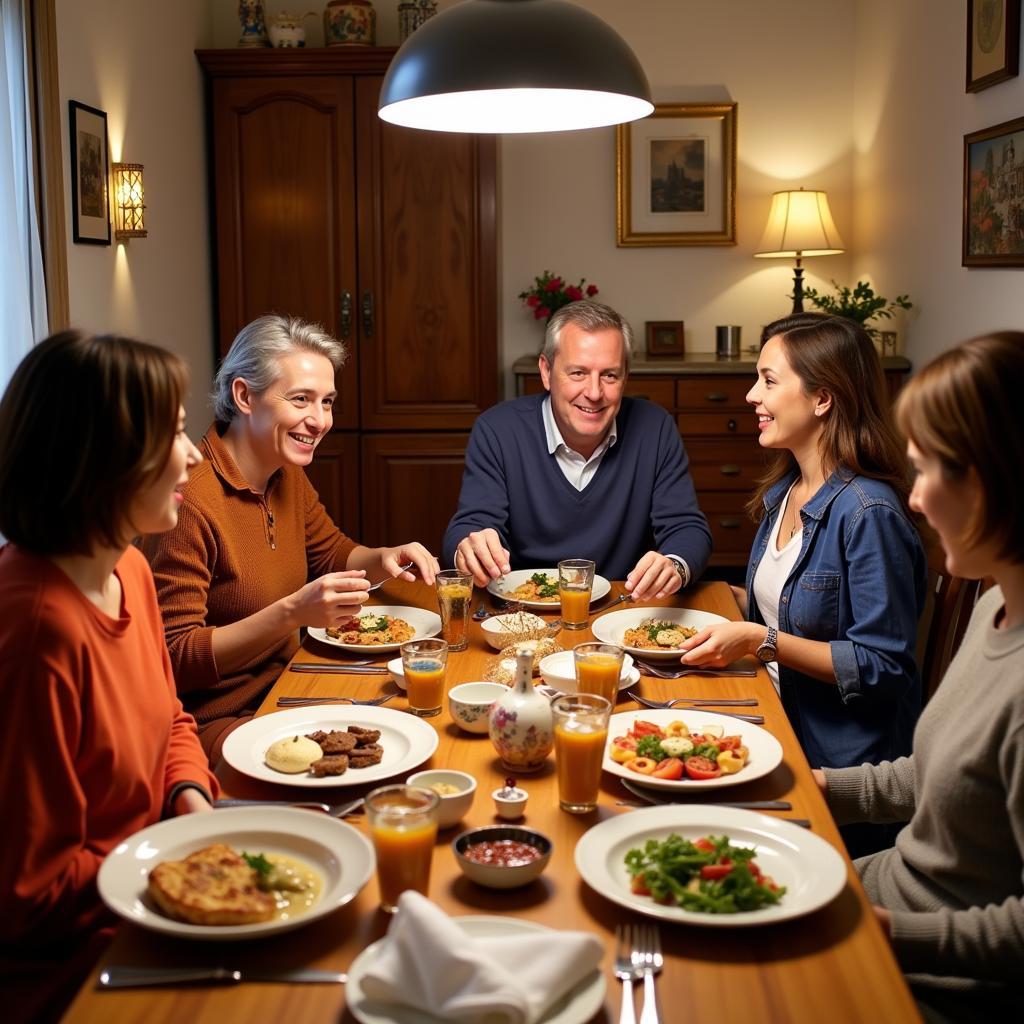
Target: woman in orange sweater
{"type": "Point", "coordinates": [94, 743]}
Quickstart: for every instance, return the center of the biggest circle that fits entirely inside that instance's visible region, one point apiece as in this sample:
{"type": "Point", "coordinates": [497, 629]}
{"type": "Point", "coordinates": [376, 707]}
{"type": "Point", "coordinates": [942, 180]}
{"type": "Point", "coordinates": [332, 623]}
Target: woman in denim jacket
{"type": "Point", "coordinates": [836, 578]}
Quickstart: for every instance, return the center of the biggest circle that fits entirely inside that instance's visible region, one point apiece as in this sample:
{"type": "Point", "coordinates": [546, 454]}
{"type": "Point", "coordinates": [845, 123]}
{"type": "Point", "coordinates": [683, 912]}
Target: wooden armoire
{"type": "Point", "coordinates": [384, 235]}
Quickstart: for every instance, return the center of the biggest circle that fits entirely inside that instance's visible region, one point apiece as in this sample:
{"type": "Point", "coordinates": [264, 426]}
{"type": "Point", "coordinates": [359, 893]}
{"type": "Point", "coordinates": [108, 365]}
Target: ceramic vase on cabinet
{"type": "Point", "coordinates": [254, 26]}
{"type": "Point", "coordinates": [520, 723]}
{"type": "Point", "coordinates": [286, 29]}
{"type": "Point", "coordinates": [350, 23]}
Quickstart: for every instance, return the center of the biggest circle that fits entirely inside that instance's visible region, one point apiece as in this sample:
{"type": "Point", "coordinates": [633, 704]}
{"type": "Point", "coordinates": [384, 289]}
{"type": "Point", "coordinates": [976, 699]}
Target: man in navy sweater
{"type": "Point", "coordinates": [580, 472]}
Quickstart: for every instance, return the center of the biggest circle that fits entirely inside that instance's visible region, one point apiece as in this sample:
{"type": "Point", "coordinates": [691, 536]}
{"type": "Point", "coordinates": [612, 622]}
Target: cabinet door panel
{"type": "Point", "coordinates": [426, 257]}
{"type": "Point", "coordinates": [285, 208]}
{"type": "Point", "coordinates": [334, 472]}
{"type": "Point", "coordinates": [732, 530]}
{"type": "Point", "coordinates": [411, 485]}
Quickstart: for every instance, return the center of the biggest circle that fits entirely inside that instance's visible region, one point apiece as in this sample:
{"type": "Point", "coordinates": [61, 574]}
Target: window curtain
{"type": "Point", "coordinates": [23, 317]}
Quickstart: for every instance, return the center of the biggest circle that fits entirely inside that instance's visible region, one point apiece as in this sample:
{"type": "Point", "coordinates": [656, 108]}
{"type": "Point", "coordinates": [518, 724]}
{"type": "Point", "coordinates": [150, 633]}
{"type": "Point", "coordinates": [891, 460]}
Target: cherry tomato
{"type": "Point", "coordinates": [699, 768]}
{"type": "Point", "coordinates": [714, 872]}
{"type": "Point", "coordinates": [639, 886]}
{"type": "Point", "coordinates": [670, 768]}
{"type": "Point", "coordinates": [626, 742]}
{"type": "Point", "coordinates": [730, 743]}
{"type": "Point", "coordinates": [704, 845]}
{"type": "Point", "coordinates": [641, 729]}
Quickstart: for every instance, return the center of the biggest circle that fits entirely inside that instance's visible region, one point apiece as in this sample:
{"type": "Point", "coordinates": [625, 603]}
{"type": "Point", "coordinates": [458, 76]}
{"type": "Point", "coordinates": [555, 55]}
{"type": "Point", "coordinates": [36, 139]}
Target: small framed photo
{"type": "Point", "coordinates": [993, 224]}
{"type": "Point", "coordinates": [993, 42]}
{"type": "Point", "coordinates": [90, 210]}
{"type": "Point", "coordinates": [665, 338]}
{"type": "Point", "coordinates": [675, 176]}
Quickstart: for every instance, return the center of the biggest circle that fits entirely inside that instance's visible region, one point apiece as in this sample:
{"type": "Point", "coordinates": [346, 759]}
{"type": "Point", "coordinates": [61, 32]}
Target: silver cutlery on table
{"type": "Point", "coordinates": [657, 704]}
{"type": "Point", "coordinates": [126, 976]}
{"type": "Point", "coordinates": [306, 702]}
{"type": "Point", "coordinates": [647, 955]}
{"type": "Point", "coordinates": [334, 810]}
{"type": "Point", "coordinates": [626, 972]}
{"type": "Point", "coordinates": [330, 667]}
{"type": "Point", "coordinates": [388, 579]}
{"type": "Point", "coordinates": [710, 702]}
{"type": "Point", "coordinates": [665, 796]}
{"type": "Point", "coordinates": [647, 669]}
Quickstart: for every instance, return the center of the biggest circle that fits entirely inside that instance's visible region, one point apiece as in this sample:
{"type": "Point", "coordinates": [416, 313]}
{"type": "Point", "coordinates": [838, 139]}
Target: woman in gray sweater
{"type": "Point", "coordinates": [950, 893]}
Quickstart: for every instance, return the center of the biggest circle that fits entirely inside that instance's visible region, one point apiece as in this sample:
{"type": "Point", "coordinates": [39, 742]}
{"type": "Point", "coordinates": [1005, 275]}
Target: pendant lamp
{"type": "Point", "coordinates": [493, 66]}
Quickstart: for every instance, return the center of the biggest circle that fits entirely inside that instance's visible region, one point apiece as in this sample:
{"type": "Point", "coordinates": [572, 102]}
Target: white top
{"type": "Point", "coordinates": [770, 577]}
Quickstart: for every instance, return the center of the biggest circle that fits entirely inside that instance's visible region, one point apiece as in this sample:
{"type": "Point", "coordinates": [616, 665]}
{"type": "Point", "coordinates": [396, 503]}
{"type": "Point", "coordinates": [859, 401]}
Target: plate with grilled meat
{"type": "Point", "coordinates": [330, 745]}
{"type": "Point", "coordinates": [237, 873]}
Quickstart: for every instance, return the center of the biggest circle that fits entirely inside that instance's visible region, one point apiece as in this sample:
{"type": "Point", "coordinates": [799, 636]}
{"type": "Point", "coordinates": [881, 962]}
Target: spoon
{"type": "Point", "coordinates": [388, 579]}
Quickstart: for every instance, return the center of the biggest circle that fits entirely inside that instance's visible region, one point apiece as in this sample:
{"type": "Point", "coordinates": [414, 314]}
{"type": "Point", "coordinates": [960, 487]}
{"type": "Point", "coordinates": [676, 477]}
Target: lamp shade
{"type": "Point", "coordinates": [129, 202]}
{"type": "Point", "coordinates": [491, 66]}
{"type": "Point", "coordinates": [800, 224]}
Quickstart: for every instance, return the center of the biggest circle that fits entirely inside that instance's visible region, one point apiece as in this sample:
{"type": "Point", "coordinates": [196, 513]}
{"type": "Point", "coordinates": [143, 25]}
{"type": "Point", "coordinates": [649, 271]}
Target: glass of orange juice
{"type": "Point", "coordinates": [403, 826]}
{"type": "Point", "coordinates": [598, 668]}
{"type": "Point", "coordinates": [575, 582]}
{"type": "Point", "coordinates": [454, 595]}
{"type": "Point", "coordinates": [424, 662]}
{"type": "Point", "coordinates": [581, 734]}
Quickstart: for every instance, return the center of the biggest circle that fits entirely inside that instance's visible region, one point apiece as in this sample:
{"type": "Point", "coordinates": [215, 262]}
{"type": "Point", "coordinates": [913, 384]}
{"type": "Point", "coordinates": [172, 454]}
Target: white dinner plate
{"type": "Point", "coordinates": [611, 628]}
{"type": "Point", "coordinates": [575, 1007]}
{"type": "Point", "coordinates": [765, 749]}
{"type": "Point", "coordinates": [407, 741]}
{"type": "Point", "coordinates": [812, 871]}
{"type": "Point", "coordinates": [501, 588]}
{"type": "Point", "coordinates": [423, 622]}
{"type": "Point", "coordinates": [341, 854]}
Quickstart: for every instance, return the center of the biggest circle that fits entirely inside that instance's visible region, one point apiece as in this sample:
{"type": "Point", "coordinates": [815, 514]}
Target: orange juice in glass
{"type": "Point", "coordinates": [454, 594]}
{"type": "Point", "coordinates": [403, 827]}
{"type": "Point", "coordinates": [575, 582]}
{"type": "Point", "coordinates": [598, 669]}
{"type": "Point", "coordinates": [581, 734]}
{"type": "Point", "coordinates": [424, 662]}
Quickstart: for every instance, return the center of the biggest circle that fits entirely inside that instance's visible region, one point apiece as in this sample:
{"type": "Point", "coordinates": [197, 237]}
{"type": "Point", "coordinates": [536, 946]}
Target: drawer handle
{"type": "Point", "coordinates": [729, 524]}
{"type": "Point", "coordinates": [716, 396]}
{"type": "Point", "coordinates": [731, 425]}
{"type": "Point", "coordinates": [730, 470]}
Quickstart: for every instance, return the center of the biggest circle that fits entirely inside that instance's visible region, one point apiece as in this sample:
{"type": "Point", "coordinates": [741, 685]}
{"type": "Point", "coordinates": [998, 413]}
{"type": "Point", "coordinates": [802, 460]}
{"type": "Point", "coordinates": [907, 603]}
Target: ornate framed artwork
{"type": "Point", "coordinates": [665, 338]}
{"type": "Point", "coordinates": [675, 176]}
{"type": "Point", "coordinates": [993, 229]}
{"type": "Point", "coordinates": [993, 42]}
{"type": "Point", "coordinates": [90, 212]}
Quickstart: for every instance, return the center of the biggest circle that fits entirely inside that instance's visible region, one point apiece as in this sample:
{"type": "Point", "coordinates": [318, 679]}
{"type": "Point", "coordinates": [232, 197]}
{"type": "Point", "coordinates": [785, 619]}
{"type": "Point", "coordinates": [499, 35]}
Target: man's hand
{"type": "Point", "coordinates": [655, 575]}
{"type": "Point", "coordinates": [482, 555]}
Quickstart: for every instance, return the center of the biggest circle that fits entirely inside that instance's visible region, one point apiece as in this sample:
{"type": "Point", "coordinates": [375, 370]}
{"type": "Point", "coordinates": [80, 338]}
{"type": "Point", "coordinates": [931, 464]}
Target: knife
{"type": "Point", "coordinates": [659, 797]}
{"type": "Point", "coordinates": [327, 667]}
{"type": "Point", "coordinates": [124, 976]}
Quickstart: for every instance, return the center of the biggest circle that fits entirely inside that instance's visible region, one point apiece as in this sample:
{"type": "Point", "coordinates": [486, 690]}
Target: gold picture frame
{"type": "Point", "coordinates": [675, 176]}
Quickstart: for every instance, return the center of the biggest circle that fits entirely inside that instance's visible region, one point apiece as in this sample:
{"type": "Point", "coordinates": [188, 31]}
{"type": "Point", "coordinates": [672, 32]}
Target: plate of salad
{"type": "Point", "coordinates": [712, 866]}
{"type": "Point", "coordinates": [688, 750]}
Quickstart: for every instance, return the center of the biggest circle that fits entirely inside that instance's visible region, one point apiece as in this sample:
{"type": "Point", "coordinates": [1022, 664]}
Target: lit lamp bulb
{"type": "Point", "coordinates": [129, 208]}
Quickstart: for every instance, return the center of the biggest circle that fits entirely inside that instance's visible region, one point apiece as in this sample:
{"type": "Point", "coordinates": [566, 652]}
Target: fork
{"type": "Point", "coordinates": [388, 579]}
{"type": "Point", "coordinates": [302, 702]}
{"type": "Point", "coordinates": [633, 695]}
{"type": "Point", "coordinates": [647, 669]}
{"type": "Point", "coordinates": [647, 954]}
{"type": "Point", "coordinates": [626, 972]}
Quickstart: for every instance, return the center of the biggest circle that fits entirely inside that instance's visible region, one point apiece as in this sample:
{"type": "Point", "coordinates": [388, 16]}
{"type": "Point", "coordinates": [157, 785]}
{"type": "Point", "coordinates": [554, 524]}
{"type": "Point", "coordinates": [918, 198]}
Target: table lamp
{"type": "Point", "coordinates": [800, 224]}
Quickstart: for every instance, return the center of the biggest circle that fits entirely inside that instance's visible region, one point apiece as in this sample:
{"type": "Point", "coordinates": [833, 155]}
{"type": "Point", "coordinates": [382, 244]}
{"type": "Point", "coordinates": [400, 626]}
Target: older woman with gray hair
{"type": "Point", "coordinates": [255, 554]}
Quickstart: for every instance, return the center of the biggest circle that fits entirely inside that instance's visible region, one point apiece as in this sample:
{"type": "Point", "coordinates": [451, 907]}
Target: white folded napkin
{"type": "Point", "coordinates": [429, 962]}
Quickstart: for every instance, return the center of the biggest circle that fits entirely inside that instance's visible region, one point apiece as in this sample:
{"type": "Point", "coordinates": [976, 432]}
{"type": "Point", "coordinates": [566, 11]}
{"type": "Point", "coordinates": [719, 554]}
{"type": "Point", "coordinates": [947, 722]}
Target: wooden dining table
{"type": "Point", "coordinates": [833, 964]}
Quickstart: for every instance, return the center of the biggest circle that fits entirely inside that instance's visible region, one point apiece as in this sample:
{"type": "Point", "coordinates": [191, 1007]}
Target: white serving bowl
{"type": "Point", "coordinates": [500, 876]}
{"type": "Point", "coordinates": [497, 634]}
{"type": "Point", "coordinates": [397, 673]}
{"type": "Point", "coordinates": [454, 806]}
{"type": "Point", "coordinates": [470, 704]}
{"type": "Point", "coordinates": [558, 670]}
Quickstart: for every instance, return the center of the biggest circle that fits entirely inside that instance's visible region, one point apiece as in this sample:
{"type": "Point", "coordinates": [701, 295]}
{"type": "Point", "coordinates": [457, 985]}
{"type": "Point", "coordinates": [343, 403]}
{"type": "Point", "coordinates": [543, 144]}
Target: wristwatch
{"type": "Point", "coordinates": [681, 569]}
{"type": "Point", "coordinates": [768, 651]}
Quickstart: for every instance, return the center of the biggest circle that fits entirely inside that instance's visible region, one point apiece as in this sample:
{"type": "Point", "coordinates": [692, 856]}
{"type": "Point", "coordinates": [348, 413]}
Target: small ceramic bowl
{"type": "Point", "coordinates": [454, 806]}
{"type": "Point", "coordinates": [397, 673]}
{"type": "Point", "coordinates": [498, 634]}
{"type": "Point", "coordinates": [510, 804]}
{"type": "Point", "coordinates": [502, 876]}
{"type": "Point", "coordinates": [558, 670]}
{"type": "Point", "coordinates": [470, 704]}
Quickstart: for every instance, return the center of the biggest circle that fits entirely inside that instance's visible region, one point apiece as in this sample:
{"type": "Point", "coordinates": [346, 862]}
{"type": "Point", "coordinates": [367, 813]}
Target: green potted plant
{"type": "Point", "coordinates": [859, 304]}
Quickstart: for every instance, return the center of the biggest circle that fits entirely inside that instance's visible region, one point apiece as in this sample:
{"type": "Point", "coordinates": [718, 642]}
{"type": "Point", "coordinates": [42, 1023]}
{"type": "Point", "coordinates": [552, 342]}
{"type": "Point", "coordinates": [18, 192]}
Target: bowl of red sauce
{"type": "Point", "coordinates": [502, 856]}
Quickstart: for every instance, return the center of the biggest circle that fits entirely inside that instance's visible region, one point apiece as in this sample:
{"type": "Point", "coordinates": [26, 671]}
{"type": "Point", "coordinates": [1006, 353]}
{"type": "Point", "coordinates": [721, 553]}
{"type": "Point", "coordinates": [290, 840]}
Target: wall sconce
{"type": "Point", "coordinates": [129, 216]}
{"type": "Point", "coordinates": [800, 224]}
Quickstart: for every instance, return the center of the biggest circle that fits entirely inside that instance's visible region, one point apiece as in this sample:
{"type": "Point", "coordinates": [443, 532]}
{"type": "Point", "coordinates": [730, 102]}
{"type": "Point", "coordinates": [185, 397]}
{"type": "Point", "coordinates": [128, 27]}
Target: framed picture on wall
{"type": "Point", "coordinates": [993, 42]}
{"type": "Point", "coordinates": [90, 212]}
{"type": "Point", "coordinates": [665, 338]}
{"type": "Point", "coordinates": [993, 229]}
{"type": "Point", "coordinates": [675, 176]}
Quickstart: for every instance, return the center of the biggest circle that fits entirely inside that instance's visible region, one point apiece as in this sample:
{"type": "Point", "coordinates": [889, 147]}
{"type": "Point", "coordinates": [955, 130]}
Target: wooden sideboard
{"type": "Point", "coordinates": [707, 398]}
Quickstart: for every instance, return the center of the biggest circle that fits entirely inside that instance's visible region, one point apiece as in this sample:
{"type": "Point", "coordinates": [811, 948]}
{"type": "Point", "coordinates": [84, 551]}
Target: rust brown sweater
{"type": "Point", "coordinates": [233, 552]}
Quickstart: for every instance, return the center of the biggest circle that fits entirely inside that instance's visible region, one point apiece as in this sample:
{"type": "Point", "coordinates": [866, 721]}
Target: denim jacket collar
{"type": "Point", "coordinates": [818, 504]}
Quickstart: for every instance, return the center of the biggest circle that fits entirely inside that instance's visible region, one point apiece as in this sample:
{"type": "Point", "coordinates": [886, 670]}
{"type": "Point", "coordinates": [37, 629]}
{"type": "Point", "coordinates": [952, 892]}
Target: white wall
{"type": "Point", "coordinates": [135, 61]}
{"type": "Point", "coordinates": [910, 115]}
